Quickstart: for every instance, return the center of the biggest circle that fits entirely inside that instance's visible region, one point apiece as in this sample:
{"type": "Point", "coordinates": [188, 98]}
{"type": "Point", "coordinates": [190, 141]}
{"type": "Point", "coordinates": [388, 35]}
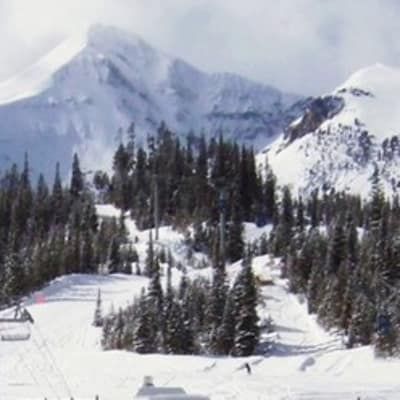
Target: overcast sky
{"type": "Point", "coordinates": [304, 46]}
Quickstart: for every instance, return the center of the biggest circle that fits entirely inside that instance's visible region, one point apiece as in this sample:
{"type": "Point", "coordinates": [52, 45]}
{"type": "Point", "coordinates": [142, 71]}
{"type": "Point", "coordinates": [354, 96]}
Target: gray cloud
{"type": "Point", "coordinates": [306, 46]}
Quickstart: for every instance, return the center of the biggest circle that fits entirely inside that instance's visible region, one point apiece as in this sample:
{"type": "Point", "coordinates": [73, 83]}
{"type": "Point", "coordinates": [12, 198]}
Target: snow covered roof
{"type": "Point", "coordinates": [166, 393]}
{"type": "Point", "coordinates": [155, 391]}
{"type": "Point", "coordinates": [151, 392]}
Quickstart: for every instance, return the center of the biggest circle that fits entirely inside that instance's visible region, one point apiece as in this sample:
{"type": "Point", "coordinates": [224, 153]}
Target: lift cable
{"type": "Point", "coordinates": [53, 361]}
{"type": "Point", "coordinates": [48, 381]}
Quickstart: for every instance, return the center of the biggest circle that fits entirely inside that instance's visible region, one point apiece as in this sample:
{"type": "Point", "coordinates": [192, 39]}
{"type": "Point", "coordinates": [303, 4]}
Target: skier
{"type": "Point", "coordinates": [248, 368]}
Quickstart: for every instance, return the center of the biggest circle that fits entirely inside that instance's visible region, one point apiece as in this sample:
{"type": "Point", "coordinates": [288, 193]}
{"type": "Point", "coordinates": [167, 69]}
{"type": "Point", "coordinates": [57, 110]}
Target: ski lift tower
{"type": "Point", "coordinates": [153, 148]}
{"type": "Point", "coordinates": [222, 213]}
{"type": "Point", "coordinates": [220, 189]}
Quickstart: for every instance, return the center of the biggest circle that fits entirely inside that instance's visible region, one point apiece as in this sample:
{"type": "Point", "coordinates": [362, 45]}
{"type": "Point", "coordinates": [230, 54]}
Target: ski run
{"type": "Point", "coordinates": [64, 359]}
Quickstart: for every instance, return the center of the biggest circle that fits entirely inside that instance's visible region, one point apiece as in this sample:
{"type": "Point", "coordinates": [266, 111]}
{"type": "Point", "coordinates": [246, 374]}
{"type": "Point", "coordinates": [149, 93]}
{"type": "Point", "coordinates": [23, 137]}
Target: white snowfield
{"type": "Point", "coordinates": [333, 154]}
{"type": "Point", "coordinates": [64, 357]}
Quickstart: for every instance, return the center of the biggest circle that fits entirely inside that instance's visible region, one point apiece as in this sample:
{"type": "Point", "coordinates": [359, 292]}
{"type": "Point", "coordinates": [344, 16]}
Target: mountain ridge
{"type": "Point", "coordinates": [92, 86]}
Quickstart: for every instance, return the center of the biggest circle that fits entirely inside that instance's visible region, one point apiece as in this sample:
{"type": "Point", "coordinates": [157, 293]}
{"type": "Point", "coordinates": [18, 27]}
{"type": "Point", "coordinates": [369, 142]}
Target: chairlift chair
{"type": "Point", "coordinates": [17, 327]}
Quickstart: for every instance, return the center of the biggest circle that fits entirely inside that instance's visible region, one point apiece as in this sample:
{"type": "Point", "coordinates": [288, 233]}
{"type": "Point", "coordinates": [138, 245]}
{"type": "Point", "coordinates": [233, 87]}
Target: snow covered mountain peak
{"type": "Point", "coordinates": [89, 89]}
{"type": "Point", "coordinates": [372, 96]}
{"type": "Point", "coordinates": [128, 47]}
{"type": "Point", "coordinates": [39, 77]}
{"type": "Point", "coordinates": [111, 34]}
{"type": "Point", "coordinates": [344, 136]}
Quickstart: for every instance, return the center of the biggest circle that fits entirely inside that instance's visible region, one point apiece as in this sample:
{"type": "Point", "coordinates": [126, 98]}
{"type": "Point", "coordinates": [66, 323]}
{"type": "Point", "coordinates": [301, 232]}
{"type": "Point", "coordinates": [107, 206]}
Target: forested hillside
{"type": "Point", "coordinates": [338, 251]}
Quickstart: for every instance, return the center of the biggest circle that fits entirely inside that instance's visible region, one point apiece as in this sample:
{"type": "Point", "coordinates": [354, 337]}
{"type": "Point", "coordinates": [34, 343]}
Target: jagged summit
{"type": "Point", "coordinates": [343, 136]}
{"type": "Point", "coordinates": [100, 33]}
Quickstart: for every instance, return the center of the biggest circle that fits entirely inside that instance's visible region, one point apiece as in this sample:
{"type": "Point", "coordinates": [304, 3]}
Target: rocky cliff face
{"type": "Point", "coordinates": [317, 111]}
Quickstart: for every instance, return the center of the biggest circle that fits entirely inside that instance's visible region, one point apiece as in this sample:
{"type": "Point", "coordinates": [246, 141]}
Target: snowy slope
{"type": "Point", "coordinates": [344, 135]}
{"type": "Point", "coordinates": [97, 83]}
{"type": "Point", "coordinates": [64, 355]}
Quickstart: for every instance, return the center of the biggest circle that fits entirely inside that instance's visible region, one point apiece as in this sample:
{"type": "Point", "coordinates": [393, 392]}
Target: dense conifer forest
{"type": "Point", "coordinates": [46, 232]}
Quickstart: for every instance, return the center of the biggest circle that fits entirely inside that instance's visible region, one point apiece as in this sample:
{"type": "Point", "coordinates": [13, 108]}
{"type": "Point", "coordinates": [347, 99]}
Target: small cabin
{"type": "Point", "coordinates": [149, 391]}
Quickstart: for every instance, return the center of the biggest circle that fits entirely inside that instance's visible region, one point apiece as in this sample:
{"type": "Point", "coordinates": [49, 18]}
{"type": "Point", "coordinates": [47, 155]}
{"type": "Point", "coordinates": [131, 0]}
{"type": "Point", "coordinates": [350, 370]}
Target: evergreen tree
{"type": "Point", "coordinates": [235, 242]}
{"type": "Point", "coordinates": [377, 203]}
{"type": "Point", "coordinates": [284, 230]}
{"type": "Point", "coordinates": [361, 327]}
{"type": "Point", "coordinates": [313, 209]}
{"type": "Point", "coordinates": [216, 304]}
{"type": "Point", "coordinates": [246, 319]}
{"type": "Point", "coordinates": [145, 333]}
{"type": "Point", "coordinates": [337, 250]}
{"type": "Point", "coordinates": [174, 331]}
{"type": "Point", "coordinates": [188, 333]}
{"type": "Point", "coordinates": [150, 257]}
{"type": "Point", "coordinates": [77, 182]}
{"type": "Point", "coordinates": [270, 195]}
{"type": "Point", "coordinates": [114, 257]}
{"type": "Point", "coordinates": [57, 198]}
{"type": "Point", "coordinates": [226, 331]}
{"type": "Point", "coordinates": [300, 221]}
{"type": "Point", "coordinates": [15, 277]}
{"type": "Point", "coordinates": [120, 182]}
{"type": "Point", "coordinates": [155, 293]}
{"type": "Point", "coordinates": [41, 208]}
